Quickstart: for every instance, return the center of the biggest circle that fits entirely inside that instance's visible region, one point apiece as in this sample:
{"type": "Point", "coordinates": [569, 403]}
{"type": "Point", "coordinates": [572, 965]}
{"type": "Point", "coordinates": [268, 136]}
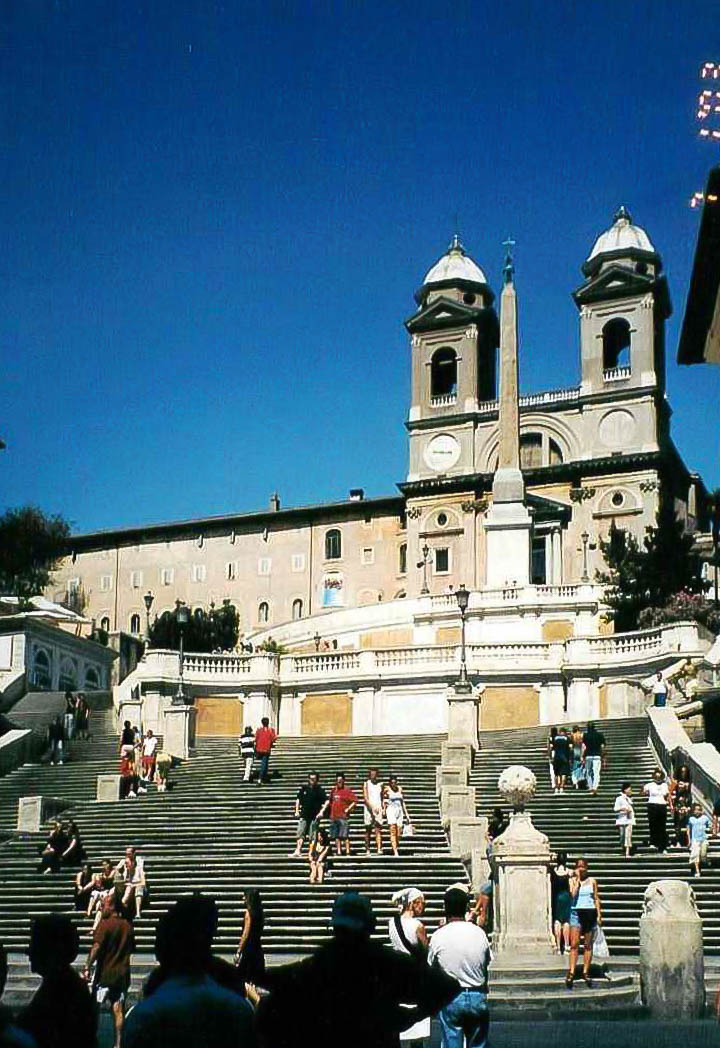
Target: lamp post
{"type": "Point", "coordinates": [462, 596]}
{"type": "Point", "coordinates": [316, 638]}
{"type": "Point", "coordinates": [585, 538]}
{"type": "Point", "coordinates": [182, 615]}
{"type": "Point", "coordinates": [425, 551]}
{"type": "Point", "coordinates": [148, 598]}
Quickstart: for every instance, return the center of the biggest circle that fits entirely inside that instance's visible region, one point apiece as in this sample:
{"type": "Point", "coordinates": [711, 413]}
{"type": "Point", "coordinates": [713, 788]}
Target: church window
{"type": "Point", "coordinates": [105, 624]}
{"type": "Point", "coordinates": [538, 561]}
{"type": "Point", "coordinates": [616, 344]}
{"type": "Point", "coordinates": [333, 544]}
{"type": "Point", "coordinates": [530, 450]}
{"type": "Point", "coordinates": [442, 520]}
{"type": "Point", "coordinates": [443, 373]}
{"type": "Point", "coordinates": [617, 498]}
{"type": "Point", "coordinates": [442, 560]}
{"type": "Point", "coordinates": [135, 623]}
{"type": "Point", "coordinates": [554, 453]}
{"type": "Point", "coordinates": [402, 559]}
{"type": "Point", "coordinates": [297, 609]}
{"type": "Point", "coordinates": [263, 612]}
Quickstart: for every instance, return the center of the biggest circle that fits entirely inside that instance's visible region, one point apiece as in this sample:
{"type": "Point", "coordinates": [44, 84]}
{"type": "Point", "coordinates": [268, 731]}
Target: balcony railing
{"type": "Point", "coordinates": [445, 400]}
{"type": "Point", "coordinates": [615, 374]}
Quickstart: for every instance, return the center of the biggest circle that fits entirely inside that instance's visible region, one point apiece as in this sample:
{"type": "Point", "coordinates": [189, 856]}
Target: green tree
{"type": "Point", "coordinates": [648, 575]}
{"type": "Point", "coordinates": [31, 545]}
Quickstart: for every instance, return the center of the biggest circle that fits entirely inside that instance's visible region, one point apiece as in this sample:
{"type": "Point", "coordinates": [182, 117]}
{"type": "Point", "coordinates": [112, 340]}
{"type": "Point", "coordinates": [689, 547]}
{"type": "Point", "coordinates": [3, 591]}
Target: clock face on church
{"type": "Point", "coordinates": [442, 453]}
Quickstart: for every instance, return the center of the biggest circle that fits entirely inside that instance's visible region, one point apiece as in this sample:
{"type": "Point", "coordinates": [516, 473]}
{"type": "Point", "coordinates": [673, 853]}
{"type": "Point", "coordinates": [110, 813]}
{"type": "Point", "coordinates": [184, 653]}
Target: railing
{"type": "Point", "coordinates": [550, 396]}
{"type": "Point", "coordinates": [412, 656]}
{"type": "Point", "coordinates": [558, 591]}
{"type": "Point", "coordinates": [443, 400]}
{"type": "Point", "coordinates": [643, 641]}
{"type": "Point", "coordinates": [673, 747]}
{"type": "Point", "coordinates": [220, 665]}
{"type": "Point", "coordinates": [614, 374]}
{"type": "Point", "coordinates": [333, 662]}
{"type": "Point", "coordinates": [512, 651]}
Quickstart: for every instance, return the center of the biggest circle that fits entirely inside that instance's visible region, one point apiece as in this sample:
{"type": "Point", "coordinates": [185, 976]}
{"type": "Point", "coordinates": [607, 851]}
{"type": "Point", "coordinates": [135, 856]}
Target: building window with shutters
{"type": "Point", "coordinates": [368, 555]}
{"type": "Point", "coordinates": [136, 579]}
{"type": "Point", "coordinates": [198, 573]}
{"type": "Point", "coordinates": [105, 583]}
{"type": "Point", "coordinates": [105, 624]}
{"type": "Point", "coordinates": [298, 562]}
{"type": "Point", "coordinates": [167, 576]}
{"type": "Point", "coordinates": [264, 566]}
{"type": "Point", "coordinates": [135, 623]}
{"type": "Point", "coordinates": [442, 560]}
{"type": "Point", "coordinates": [402, 559]}
{"type": "Point", "coordinates": [333, 544]}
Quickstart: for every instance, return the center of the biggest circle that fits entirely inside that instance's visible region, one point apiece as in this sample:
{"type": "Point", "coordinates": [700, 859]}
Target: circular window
{"type": "Point", "coordinates": [618, 498]}
{"type": "Point", "coordinates": [442, 520]}
{"type": "Point", "coordinates": [469, 298]}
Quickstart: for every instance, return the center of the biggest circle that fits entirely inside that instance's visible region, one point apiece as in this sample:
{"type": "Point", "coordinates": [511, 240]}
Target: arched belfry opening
{"type": "Point", "coordinates": [616, 344]}
{"type": "Point", "coordinates": [443, 373]}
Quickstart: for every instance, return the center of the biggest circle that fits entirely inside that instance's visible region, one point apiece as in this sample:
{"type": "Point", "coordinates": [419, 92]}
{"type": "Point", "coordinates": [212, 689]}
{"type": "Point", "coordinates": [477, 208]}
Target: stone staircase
{"type": "Point", "coordinates": [583, 824]}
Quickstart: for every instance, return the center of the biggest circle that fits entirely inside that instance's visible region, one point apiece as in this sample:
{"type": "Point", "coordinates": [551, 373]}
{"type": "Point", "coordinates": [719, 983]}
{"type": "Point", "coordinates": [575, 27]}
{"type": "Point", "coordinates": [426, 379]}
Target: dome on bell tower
{"type": "Point", "coordinates": [623, 242]}
{"type": "Point", "coordinates": [455, 272]}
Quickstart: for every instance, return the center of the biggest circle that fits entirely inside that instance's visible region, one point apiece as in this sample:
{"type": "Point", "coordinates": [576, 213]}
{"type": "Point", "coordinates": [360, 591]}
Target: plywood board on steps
{"type": "Point", "coordinates": [219, 715]}
{"type": "Point", "coordinates": [327, 714]}
{"type": "Point", "coordinates": [508, 707]}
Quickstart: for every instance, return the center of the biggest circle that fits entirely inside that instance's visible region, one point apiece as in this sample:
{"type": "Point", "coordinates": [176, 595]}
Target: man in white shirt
{"type": "Point", "coordinates": [659, 690]}
{"type": "Point", "coordinates": [149, 751]}
{"type": "Point", "coordinates": [462, 950]}
{"type": "Point", "coordinates": [658, 796]}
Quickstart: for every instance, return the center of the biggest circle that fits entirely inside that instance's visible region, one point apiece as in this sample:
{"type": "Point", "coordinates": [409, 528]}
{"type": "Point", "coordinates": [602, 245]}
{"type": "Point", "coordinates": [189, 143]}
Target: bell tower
{"type": "Point", "coordinates": [454, 339]}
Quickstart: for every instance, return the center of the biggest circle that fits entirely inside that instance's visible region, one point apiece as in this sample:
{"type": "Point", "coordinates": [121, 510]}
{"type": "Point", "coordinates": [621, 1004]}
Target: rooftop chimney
{"type": "Point", "coordinates": [357, 494]}
{"type": "Point", "coordinates": [275, 502]}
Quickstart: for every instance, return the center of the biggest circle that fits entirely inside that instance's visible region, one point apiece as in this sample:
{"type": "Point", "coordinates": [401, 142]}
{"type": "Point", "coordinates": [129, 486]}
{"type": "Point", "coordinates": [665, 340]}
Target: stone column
{"type": "Point", "coordinates": [521, 858]}
{"type": "Point", "coordinates": [672, 972]}
{"type": "Point", "coordinates": [462, 716]}
{"type": "Point", "coordinates": [557, 557]}
{"type": "Point", "coordinates": [507, 523]}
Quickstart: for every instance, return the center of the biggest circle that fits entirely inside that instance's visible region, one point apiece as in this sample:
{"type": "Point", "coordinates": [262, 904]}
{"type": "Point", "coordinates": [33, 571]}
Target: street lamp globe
{"type": "Point", "coordinates": [462, 596]}
{"type": "Point", "coordinates": [182, 613]}
{"type": "Point", "coordinates": [148, 598]}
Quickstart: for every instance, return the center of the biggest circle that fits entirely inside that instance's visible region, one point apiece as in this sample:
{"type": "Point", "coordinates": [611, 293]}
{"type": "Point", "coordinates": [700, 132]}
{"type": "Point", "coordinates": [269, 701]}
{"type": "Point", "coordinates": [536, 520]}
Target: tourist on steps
{"type": "Point", "coordinates": [250, 957]}
{"type": "Point", "coordinates": [551, 755]}
{"type": "Point", "coordinates": [127, 736]}
{"type": "Point", "coordinates": [352, 991]}
{"type": "Point", "coordinates": [576, 757]}
{"type": "Point", "coordinates": [625, 818]}
{"type": "Point", "coordinates": [61, 1011]}
{"type": "Point", "coordinates": [373, 811]}
{"type": "Point", "coordinates": [657, 792]}
{"type": "Point", "coordinates": [51, 855]}
{"type": "Point", "coordinates": [163, 765]}
{"type": "Point", "coordinates": [681, 798]}
{"type": "Point", "coordinates": [395, 811]}
{"type": "Point", "coordinates": [131, 871]}
{"type": "Point", "coordinates": [265, 738]}
{"type": "Point", "coordinates": [699, 827]}
{"type": "Point", "coordinates": [112, 947]}
{"type": "Point", "coordinates": [408, 935]}
{"type": "Point", "coordinates": [561, 760]}
{"type": "Point", "coordinates": [246, 751]}
{"type": "Point", "coordinates": [149, 755]}
{"type": "Point", "coordinates": [309, 802]}
{"type": "Point", "coordinates": [594, 754]}
{"type": "Point", "coordinates": [69, 715]}
{"type": "Point", "coordinates": [461, 950]}
{"type": "Point", "coordinates": [82, 889]}
{"type": "Point", "coordinates": [56, 740]}
{"type": "Point", "coordinates": [341, 802]}
{"type": "Point", "coordinates": [82, 718]}
{"type": "Point", "coordinates": [102, 883]}
{"type": "Point", "coordinates": [319, 856]}
{"type": "Point", "coordinates": [585, 915]}
{"type": "Point", "coordinates": [188, 1001]}
{"type": "Point", "coordinates": [561, 901]}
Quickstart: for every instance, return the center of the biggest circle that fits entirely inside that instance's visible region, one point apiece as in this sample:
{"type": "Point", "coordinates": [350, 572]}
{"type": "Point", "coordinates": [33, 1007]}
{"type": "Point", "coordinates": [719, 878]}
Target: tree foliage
{"type": "Point", "coordinates": [648, 574]}
{"type": "Point", "coordinates": [31, 545]}
{"type": "Point", "coordinates": [206, 631]}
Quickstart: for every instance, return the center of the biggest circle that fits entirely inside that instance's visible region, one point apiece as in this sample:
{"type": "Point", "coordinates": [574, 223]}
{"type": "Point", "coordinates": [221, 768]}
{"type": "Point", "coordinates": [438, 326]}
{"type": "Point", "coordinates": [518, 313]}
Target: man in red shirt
{"type": "Point", "coordinates": [264, 742]}
{"type": "Point", "coordinates": [341, 802]}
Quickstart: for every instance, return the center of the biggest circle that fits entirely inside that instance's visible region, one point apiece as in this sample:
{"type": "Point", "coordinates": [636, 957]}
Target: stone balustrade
{"type": "Point", "coordinates": [673, 747]}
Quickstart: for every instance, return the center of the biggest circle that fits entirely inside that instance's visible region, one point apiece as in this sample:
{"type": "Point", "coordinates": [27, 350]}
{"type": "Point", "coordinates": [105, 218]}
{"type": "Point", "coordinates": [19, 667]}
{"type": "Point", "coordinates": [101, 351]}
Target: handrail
{"type": "Point", "coordinates": [673, 747]}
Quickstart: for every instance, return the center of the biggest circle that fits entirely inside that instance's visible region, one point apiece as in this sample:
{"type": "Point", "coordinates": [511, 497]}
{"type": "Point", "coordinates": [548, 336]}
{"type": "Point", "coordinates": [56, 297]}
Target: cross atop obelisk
{"type": "Point", "coordinates": [507, 524]}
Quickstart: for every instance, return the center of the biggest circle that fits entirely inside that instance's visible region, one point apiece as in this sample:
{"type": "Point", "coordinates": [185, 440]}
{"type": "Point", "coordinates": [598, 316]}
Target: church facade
{"type": "Point", "coordinates": [590, 454]}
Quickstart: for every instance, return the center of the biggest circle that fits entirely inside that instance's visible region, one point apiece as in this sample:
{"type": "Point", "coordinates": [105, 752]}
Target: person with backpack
{"type": "Point", "coordinates": [408, 935]}
{"type": "Point", "coordinates": [246, 751]}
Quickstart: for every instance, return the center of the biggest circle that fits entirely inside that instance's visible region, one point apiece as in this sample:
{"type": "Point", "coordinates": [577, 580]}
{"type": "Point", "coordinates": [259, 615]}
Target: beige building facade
{"type": "Point", "coordinates": [592, 454]}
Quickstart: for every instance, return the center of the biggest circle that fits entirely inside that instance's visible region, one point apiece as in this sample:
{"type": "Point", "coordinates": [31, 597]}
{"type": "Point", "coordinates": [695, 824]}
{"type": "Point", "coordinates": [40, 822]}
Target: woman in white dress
{"type": "Point", "coordinates": [395, 811]}
{"type": "Point", "coordinates": [408, 935]}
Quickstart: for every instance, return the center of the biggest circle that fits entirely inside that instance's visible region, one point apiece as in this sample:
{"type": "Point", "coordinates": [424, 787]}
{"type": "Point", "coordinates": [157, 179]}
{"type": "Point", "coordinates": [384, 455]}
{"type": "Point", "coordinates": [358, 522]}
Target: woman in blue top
{"type": "Point", "coordinates": [585, 915]}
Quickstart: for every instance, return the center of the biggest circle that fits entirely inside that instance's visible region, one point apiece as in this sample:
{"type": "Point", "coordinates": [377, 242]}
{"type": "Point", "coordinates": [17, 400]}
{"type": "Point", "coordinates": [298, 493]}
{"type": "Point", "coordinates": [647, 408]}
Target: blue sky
{"type": "Point", "coordinates": [214, 217]}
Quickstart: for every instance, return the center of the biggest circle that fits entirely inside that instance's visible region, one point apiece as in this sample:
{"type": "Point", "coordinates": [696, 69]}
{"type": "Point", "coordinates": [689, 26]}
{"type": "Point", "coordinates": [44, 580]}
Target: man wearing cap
{"type": "Point", "coordinates": [462, 950]}
{"type": "Point", "coordinates": [352, 991]}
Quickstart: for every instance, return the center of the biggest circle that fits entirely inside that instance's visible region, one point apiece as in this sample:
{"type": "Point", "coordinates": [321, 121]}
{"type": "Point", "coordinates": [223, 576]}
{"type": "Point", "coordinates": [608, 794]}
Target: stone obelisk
{"type": "Point", "coordinates": [507, 524]}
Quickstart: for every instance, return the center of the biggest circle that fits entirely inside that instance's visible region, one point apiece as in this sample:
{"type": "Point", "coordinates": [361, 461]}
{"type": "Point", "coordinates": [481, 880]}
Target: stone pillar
{"type": "Point", "coordinates": [179, 736]}
{"type": "Point", "coordinates": [108, 788]}
{"type": "Point", "coordinates": [521, 859]}
{"type": "Point", "coordinates": [132, 710]}
{"type": "Point", "coordinates": [672, 973]}
{"type": "Point", "coordinates": [363, 705]}
{"type": "Point", "coordinates": [466, 834]}
{"type": "Point", "coordinates": [456, 801]}
{"type": "Point", "coordinates": [557, 558]}
{"type": "Point", "coordinates": [33, 812]}
{"type": "Point", "coordinates": [450, 775]}
{"type": "Point", "coordinates": [462, 717]}
{"type": "Point", "coordinates": [457, 753]}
